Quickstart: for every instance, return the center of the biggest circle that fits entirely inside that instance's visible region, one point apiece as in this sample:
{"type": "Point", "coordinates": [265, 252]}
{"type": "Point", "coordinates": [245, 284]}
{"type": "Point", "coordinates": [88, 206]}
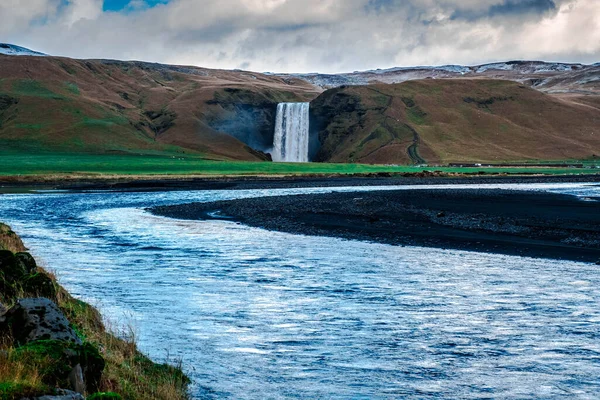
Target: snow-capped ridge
{"type": "Point", "coordinates": [13, 50]}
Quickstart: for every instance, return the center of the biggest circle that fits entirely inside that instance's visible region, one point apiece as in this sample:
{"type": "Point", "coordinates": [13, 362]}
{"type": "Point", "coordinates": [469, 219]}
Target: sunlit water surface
{"type": "Point", "coordinates": [258, 314]}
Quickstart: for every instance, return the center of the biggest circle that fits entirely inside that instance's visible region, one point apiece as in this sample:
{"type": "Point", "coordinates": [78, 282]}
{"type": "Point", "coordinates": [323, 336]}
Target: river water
{"type": "Point", "coordinates": [255, 314]}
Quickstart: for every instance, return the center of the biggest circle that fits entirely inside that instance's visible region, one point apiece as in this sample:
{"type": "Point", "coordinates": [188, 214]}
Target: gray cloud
{"type": "Point", "coordinates": [518, 8]}
{"type": "Point", "coordinates": [310, 35]}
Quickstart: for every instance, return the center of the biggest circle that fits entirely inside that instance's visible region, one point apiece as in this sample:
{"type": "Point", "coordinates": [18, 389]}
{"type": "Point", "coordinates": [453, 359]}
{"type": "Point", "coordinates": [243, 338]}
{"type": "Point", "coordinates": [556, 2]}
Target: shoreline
{"type": "Point", "coordinates": [69, 354]}
{"type": "Point", "coordinates": [512, 222]}
{"type": "Point", "coordinates": [124, 184]}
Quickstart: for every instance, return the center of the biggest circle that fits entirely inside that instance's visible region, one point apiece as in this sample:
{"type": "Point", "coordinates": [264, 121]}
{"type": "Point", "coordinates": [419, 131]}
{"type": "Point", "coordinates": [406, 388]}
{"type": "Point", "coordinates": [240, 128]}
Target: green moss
{"type": "Point", "coordinates": [104, 396]}
{"type": "Point", "coordinates": [54, 359]}
{"type": "Point", "coordinates": [108, 121]}
{"type": "Point", "coordinates": [72, 87]}
{"type": "Point", "coordinates": [33, 88]}
{"type": "Point", "coordinates": [32, 127]}
{"type": "Point", "coordinates": [416, 115]}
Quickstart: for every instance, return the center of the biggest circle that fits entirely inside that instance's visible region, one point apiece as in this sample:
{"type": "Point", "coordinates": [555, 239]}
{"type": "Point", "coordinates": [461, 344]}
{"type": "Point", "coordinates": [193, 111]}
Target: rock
{"type": "Point", "coordinates": [39, 285]}
{"type": "Point", "coordinates": [37, 319]}
{"type": "Point", "coordinates": [3, 309]}
{"type": "Point", "coordinates": [11, 268]}
{"type": "Point", "coordinates": [76, 379]}
{"type": "Point", "coordinates": [93, 365]}
{"type": "Point", "coordinates": [27, 261]}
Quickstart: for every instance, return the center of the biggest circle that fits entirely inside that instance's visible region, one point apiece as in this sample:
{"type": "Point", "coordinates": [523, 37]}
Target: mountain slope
{"type": "Point", "coordinates": [53, 104]}
{"type": "Point", "coordinates": [100, 106]}
{"type": "Point", "coordinates": [442, 121]}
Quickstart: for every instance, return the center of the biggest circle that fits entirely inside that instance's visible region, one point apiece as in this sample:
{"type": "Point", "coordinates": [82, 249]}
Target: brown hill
{"type": "Point", "coordinates": [442, 121]}
{"type": "Point", "coordinates": [100, 106]}
{"type": "Point", "coordinates": [52, 104]}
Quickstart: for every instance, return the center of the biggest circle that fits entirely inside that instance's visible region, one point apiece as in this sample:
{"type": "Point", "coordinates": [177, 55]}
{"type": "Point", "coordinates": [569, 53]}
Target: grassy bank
{"type": "Point", "coordinates": [37, 368]}
{"type": "Point", "coordinates": [14, 166]}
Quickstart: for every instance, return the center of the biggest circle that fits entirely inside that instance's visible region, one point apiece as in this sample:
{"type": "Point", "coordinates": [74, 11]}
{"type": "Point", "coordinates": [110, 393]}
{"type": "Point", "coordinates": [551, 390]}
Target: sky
{"type": "Point", "coordinates": [325, 36]}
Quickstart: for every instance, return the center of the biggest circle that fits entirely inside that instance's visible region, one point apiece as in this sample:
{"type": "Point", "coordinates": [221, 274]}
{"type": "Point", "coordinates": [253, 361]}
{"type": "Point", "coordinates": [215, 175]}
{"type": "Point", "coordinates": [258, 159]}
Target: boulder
{"type": "Point", "coordinates": [92, 364]}
{"type": "Point", "coordinates": [37, 319]}
{"type": "Point", "coordinates": [27, 261]}
{"type": "Point", "coordinates": [11, 268]}
{"type": "Point", "coordinates": [39, 285]}
{"type": "Point", "coordinates": [76, 379]}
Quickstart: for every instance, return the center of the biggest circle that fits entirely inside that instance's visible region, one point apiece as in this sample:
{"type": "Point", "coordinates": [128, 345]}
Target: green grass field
{"type": "Point", "coordinates": [15, 165]}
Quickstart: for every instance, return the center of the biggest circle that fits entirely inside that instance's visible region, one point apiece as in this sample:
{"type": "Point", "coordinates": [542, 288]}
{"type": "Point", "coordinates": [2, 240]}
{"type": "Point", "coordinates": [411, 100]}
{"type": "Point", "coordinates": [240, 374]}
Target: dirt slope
{"type": "Point", "coordinates": [442, 121]}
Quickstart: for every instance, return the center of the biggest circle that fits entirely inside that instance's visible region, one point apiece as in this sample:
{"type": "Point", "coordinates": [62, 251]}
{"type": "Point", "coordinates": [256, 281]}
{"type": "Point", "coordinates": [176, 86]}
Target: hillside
{"type": "Point", "coordinates": [51, 104]}
{"type": "Point", "coordinates": [59, 105]}
{"type": "Point", "coordinates": [445, 121]}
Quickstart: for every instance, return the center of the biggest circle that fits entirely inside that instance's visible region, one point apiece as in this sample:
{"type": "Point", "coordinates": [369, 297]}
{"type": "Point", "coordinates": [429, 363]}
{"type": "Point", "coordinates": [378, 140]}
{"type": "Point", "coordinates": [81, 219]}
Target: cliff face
{"type": "Point", "coordinates": [50, 340]}
{"type": "Point", "coordinates": [442, 121]}
{"type": "Point", "coordinates": [248, 115]}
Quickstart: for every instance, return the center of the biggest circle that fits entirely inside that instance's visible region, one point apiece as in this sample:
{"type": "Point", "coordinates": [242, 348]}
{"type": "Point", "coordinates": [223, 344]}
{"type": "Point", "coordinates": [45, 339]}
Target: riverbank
{"type": "Point", "coordinates": [29, 167]}
{"type": "Point", "coordinates": [52, 344]}
{"type": "Point", "coordinates": [533, 224]}
{"type": "Point", "coordinates": [146, 184]}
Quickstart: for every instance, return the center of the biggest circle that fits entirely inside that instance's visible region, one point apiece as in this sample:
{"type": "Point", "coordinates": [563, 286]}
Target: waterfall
{"type": "Point", "coordinates": [290, 143]}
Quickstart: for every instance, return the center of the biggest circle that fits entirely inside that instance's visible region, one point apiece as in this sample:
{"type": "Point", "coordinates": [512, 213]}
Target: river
{"type": "Point", "coordinates": [255, 314]}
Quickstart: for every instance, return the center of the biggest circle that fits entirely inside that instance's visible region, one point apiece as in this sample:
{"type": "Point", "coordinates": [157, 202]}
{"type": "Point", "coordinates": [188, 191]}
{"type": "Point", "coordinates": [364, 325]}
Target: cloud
{"type": "Point", "coordinates": [310, 35]}
{"type": "Point", "coordinates": [518, 8]}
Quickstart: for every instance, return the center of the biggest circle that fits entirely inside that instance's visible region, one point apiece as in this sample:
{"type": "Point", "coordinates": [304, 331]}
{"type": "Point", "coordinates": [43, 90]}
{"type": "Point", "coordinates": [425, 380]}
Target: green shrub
{"type": "Point", "coordinates": [104, 396]}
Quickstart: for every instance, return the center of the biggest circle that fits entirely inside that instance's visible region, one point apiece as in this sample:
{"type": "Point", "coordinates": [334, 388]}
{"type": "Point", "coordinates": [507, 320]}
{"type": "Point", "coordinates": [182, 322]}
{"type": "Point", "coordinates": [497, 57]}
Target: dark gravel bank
{"type": "Point", "coordinates": [524, 223]}
{"type": "Point", "coordinates": [169, 184]}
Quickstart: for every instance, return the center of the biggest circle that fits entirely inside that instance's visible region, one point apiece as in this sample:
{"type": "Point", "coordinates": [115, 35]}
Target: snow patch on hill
{"type": "Point", "coordinates": [495, 66]}
{"type": "Point", "coordinates": [12, 50]}
{"type": "Point", "coordinates": [459, 69]}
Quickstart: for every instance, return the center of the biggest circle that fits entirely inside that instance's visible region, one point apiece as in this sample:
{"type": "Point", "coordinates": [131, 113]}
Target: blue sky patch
{"type": "Point", "coordinates": [118, 5]}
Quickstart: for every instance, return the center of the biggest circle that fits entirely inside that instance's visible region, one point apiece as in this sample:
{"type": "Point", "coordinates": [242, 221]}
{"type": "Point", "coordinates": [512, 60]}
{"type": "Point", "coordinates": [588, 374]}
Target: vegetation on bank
{"type": "Point", "coordinates": [40, 366]}
{"type": "Point", "coordinates": [61, 165]}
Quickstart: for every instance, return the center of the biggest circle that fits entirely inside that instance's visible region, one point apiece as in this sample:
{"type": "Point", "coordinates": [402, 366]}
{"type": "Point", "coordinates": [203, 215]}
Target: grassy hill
{"type": "Point", "coordinates": [61, 106]}
{"type": "Point", "coordinates": [50, 104]}
{"type": "Point", "coordinates": [445, 121]}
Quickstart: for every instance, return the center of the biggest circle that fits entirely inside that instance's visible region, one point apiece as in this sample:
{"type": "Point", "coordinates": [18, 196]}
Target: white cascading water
{"type": "Point", "coordinates": [291, 133]}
